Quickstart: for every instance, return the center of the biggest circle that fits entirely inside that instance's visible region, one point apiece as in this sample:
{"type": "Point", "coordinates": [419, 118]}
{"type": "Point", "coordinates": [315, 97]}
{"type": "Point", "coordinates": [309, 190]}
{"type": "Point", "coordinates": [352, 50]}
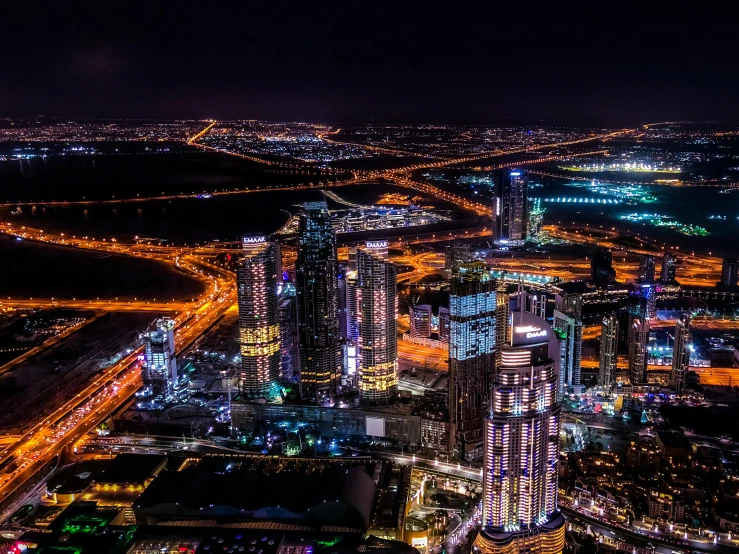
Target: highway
{"type": "Point", "coordinates": [113, 386]}
{"type": "Point", "coordinates": [695, 270]}
{"type": "Point", "coordinates": [423, 356]}
{"type": "Point", "coordinates": [398, 176]}
{"type": "Point", "coordinates": [722, 376]}
{"type": "Point", "coordinates": [105, 305]}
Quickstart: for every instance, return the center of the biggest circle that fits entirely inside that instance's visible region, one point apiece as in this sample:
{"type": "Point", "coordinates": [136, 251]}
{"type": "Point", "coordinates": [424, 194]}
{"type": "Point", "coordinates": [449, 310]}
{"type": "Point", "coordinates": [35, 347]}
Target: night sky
{"type": "Point", "coordinates": [604, 63]}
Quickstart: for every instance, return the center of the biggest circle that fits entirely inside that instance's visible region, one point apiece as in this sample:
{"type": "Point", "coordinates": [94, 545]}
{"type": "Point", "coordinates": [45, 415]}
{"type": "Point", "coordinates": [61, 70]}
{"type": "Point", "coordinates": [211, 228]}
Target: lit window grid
{"type": "Point", "coordinates": [259, 330]}
{"type": "Point", "coordinates": [524, 427]}
{"type": "Point", "coordinates": [318, 303]}
{"type": "Point", "coordinates": [376, 299]}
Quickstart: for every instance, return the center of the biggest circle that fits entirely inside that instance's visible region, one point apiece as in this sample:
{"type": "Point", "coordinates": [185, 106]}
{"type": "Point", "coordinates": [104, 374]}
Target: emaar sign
{"type": "Point", "coordinates": [253, 240]}
{"type": "Point", "coordinates": [376, 244]}
{"type": "Point", "coordinates": [531, 331]}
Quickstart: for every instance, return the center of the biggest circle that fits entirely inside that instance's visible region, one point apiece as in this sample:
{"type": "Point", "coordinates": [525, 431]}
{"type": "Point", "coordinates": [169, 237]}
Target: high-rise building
{"type": "Point", "coordinates": [378, 341]}
{"type": "Point", "coordinates": [637, 342]}
{"type": "Point", "coordinates": [608, 351]}
{"type": "Point", "coordinates": [444, 325]}
{"type": "Point", "coordinates": [289, 353]}
{"type": "Point", "coordinates": [472, 306]}
{"type": "Point", "coordinates": [521, 450]}
{"type": "Point", "coordinates": [318, 304]}
{"type": "Point", "coordinates": [647, 300]}
{"type": "Point", "coordinates": [454, 255]}
{"type": "Point", "coordinates": [343, 295]}
{"type": "Point", "coordinates": [568, 324]}
{"type": "Point", "coordinates": [259, 318]}
{"type": "Point", "coordinates": [510, 208]}
{"type": "Point", "coordinates": [536, 218]}
{"type": "Point", "coordinates": [601, 269]}
{"type": "Point", "coordinates": [502, 319]}
{"type": "Point", "coordinates": [160, 365]}
{"type": "Point", "coordinates": [538, 304]}
{"type": "Point", "coordinates": [680, 355]}
{"type": "Point", "coordinates": [730, 272]}
{"type": "Point", "coordinates": [420, 317]}
{"type": "Point", "coordinates": [667, 274]}
{"type": "Point", "coordinates": [646, 269]}
{"type": "Point", "coordinates": [350, 300]}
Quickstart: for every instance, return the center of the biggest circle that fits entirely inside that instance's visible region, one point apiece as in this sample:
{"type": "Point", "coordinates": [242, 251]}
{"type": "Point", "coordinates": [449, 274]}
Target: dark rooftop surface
{"type": "Point", "coordinates": [320, 493]}
{"type": "Point", "coordinates": [673, 440]}
{"type": "Point", "coordinates": [130, 468]}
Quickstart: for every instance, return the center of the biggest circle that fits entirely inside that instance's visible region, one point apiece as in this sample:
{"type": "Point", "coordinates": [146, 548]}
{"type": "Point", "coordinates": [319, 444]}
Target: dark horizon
{"type": "Point", "coordinates": [363, 122]}
{"type": "Point", "coordinates": [611, 65]}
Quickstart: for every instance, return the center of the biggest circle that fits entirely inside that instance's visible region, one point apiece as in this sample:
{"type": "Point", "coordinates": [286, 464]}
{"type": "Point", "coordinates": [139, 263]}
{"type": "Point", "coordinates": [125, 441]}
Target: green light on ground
{"type": "Point", "coordinates": [329, 544]}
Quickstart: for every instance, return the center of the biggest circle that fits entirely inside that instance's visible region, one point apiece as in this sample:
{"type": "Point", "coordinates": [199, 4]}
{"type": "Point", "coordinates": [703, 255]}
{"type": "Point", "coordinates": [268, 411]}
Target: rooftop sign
{"type": "Point", "coordinates": [253, 240]}
{"type": "Point", "coordinates": [530, 331]}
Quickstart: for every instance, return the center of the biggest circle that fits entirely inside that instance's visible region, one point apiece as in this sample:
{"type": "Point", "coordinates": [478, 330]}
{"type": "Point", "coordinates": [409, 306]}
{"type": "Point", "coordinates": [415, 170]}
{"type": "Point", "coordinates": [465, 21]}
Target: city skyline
{"type": "Point", "coordinates": [309, 279]}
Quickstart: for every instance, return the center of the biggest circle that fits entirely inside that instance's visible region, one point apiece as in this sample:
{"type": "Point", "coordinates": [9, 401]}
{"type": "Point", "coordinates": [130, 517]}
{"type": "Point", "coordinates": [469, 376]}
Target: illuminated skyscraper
{"type": "Point", "coordinates": [289, 354]}
{"type": "Point", "coordinates": [601, 269]}
{"type": "Point", "coordinates": [510, 208]}
{"type": "Point", "coordinates": [444, 325]}
{"type": "Point", "coordinates": [259, 318]}
{"type": "Point", "coordinates": [536, 218]}
{"type": "Point", "coordinates": [318, 304]}
{"type": "Point", "coordinates": [378, 342]}
{"type": "Point", "coordinates": [160, 364]}
{"type": "Point", "coordinates": [568, 324]}
{"type": "Point", "coordinates": [646, 269]}
{"type": "Point", "coordinates": [680, 355]}
{"type": "Point", "coordinates": [420, 317]}
{"type": "Point", "coordinates": [352, 308]}
{"type": "Point", "coordinates": [608, 351]}
{"type": "Point", "coordinates": [667, 274]}
{"type": "Point", "coordinates": [637, 342]}
{"type": "Point", "coordinates": [502, 319]}
{"type": "Point", "coordinates": [521, 452]}
{"type": "Point", "coordinates": [454, 255]}
{"type": "Point", "coordinates": [730, 272]}
{"type": "Point", "coordinates": [472, 306]}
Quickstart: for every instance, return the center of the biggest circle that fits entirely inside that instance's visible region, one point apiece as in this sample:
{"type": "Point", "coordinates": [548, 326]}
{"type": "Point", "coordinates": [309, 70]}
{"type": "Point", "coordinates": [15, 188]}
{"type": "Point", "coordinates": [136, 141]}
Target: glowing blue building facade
{"type": "Point", "coordinates": [472, 315]}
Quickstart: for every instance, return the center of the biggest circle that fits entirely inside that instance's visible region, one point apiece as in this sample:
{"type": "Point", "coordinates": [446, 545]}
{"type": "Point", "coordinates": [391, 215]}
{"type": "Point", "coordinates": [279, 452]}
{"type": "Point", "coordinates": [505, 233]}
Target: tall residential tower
{"type": "Point", "coordinates": [680, 355]}
{"type": "Point", "coordinates": [637, 341]}
{"type": "Point", "coordinates": [510, 208]}
{"type": "Point", "coordinates": [521, 451]}
{"type": "Point", "coordinates": [377, 308]}
{"type": "Point", "coordinates": [259, 319]}
{"type": "Point", "coordinates": [317, 288]}
{"type": "Point", "coordinates": [568, 323]}
{"type": "Point", "coordinates": [608, 351]}
{"type": "Point", "coordinates": [667, 273]}
{"type": "Point", "coordinates": [472, 308]}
